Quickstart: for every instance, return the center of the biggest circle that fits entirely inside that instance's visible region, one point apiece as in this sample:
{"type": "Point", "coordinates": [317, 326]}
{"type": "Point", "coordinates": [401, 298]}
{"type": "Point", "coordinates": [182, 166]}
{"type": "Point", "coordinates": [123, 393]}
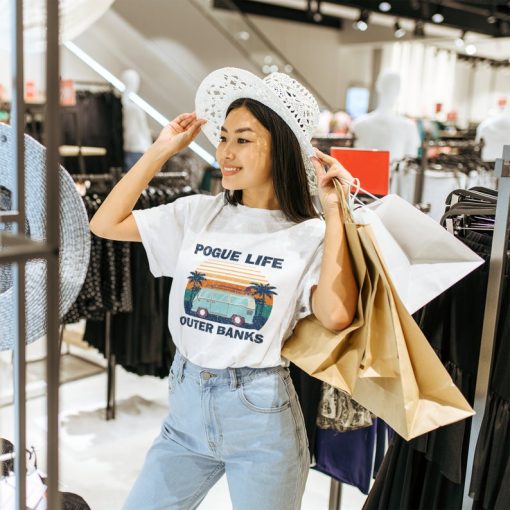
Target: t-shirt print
{"type": "Point", "coordinates": [235, 297]}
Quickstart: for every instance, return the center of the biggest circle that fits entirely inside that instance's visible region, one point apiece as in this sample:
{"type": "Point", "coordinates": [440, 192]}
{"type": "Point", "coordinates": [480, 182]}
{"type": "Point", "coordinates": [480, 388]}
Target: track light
{"type": "Point", "coordinates": [470, 49]}
{"type": "Point", "coordinates": [438, 17]}
{"type": "Point", "coordinates": [460, 41]}
{"type": "Point", "coordinates": [419, 30]}
{"type": "Point", "coordinates": [313, 10]}
{"type": "Point", "coordinates": [362, 22]}
{"type": "Point", "coordinates": [491, 19]}
{"type": "Point", "coordinates": [398, 31]}
{"type": "Point", "coordinates": [385, 7]}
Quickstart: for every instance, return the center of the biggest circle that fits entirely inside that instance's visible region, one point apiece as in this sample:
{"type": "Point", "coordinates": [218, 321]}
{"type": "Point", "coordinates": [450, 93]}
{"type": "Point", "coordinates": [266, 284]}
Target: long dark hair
{"type": "Point", "coordinates": [288, 169]}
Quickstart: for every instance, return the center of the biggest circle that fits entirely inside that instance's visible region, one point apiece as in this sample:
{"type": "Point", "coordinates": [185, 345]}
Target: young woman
{"type": "Point", "coordinates": [246, 265]}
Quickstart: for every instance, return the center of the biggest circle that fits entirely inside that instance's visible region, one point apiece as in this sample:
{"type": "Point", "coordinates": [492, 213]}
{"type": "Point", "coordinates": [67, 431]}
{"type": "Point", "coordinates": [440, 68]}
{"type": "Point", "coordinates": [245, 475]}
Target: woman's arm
{"type": "Point", "coordinates": [114, 219]}
{"type": "Point", "coordinates": [335, 298]}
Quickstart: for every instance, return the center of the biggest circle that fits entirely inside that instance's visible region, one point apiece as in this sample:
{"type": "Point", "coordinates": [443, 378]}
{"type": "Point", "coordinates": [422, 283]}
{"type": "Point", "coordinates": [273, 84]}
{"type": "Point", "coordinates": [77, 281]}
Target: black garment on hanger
{"type": "Point", "coordinates": [107, 285]}
{"type": "Point", "coordinates": [429, 471]}
{"type": "Point", "coordinates": [99, 115]}
{"type": "Point", "coordinates": [308, 390]}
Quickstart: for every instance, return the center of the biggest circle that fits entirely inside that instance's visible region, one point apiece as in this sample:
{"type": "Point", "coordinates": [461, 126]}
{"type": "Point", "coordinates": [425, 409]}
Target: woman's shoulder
{"type": "Point", "coordinates": [314, 225]}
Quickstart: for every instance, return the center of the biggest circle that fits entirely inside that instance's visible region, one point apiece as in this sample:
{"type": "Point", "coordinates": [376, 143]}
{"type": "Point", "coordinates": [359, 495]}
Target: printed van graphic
{"type": "Point", "coordinates": [229, 293]}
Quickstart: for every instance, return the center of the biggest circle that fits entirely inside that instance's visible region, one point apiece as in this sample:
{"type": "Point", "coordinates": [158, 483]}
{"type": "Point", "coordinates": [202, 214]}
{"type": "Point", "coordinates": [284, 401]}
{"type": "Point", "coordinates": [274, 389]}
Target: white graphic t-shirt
{"type": "Point", "coordinates": [242, 277]}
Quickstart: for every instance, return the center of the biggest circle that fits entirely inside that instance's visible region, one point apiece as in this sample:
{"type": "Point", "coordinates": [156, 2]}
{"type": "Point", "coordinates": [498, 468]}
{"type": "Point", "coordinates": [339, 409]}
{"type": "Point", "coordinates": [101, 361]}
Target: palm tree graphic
{"type": "Point", "coordinates": [260, 291]}
{"type": "Point", "coordinates": [196, 279]}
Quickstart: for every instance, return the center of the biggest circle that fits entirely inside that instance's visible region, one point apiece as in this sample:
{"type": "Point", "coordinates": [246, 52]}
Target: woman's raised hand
{"type": "Point", "coordinates": [180, 132]}
{"type": "Point", "coordinates": [327, 194]}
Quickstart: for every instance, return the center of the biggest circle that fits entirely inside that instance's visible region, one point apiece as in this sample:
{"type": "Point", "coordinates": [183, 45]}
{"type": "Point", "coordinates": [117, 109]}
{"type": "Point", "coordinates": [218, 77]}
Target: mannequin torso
{"type": "Point", "coordinates": [495, 132]}
{"type": "Point", "coordinates": [384, 130]}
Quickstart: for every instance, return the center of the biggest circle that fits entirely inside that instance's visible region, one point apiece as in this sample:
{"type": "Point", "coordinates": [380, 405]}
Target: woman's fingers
{"type": "Point", "coordinates": [182, 118]}
{"type": "Point", "coordinates": [195, 127]}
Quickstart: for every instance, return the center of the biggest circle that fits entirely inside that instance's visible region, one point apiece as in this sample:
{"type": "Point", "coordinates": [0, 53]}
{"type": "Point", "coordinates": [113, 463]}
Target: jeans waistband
{"type": "Point", "coordinates": [233, 377]}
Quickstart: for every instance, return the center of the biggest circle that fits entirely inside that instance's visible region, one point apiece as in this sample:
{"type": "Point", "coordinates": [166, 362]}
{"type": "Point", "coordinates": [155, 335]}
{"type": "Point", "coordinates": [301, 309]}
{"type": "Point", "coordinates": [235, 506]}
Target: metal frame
{"type": "Point", "coordinates": [16, 248]}
{"type": "Point", "coordinates": [498, 261]}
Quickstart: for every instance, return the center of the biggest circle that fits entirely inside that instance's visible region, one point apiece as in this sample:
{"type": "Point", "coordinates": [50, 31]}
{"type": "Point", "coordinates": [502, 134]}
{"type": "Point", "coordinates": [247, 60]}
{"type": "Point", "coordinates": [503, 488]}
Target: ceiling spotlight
{"type": "Point", "coordinates": [419, 29]}
{"type": "Point", "coordinates": [385, 7]}
{"type": "Point", "coordinates": [317, 15]}
{"type": "Point", "coordinates": [398, 31]}
{"type": "Point", "coordinates": [460, 41]}
{"type": "Point", "coordinates": [288, 68]}
{"type": "Point", "coordinates": [470, 49]}
{"type": "Point", "coordinates": [268, 59]}
{"type": "Point", "coordinates": [362, 23]}
{"type": "Point", "coordinates": [491, 19]}
{"type": "Point", "coordinates": [438, 17]}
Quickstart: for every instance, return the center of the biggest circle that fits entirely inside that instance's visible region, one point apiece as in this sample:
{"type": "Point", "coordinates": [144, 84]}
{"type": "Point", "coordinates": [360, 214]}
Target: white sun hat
{"type": "Point", "coordinates": [278, 91]}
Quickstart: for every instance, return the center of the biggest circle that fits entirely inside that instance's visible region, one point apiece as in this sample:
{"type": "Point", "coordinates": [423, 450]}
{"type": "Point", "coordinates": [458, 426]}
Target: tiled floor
{"type": "Point", "coordinates": [100, 459]}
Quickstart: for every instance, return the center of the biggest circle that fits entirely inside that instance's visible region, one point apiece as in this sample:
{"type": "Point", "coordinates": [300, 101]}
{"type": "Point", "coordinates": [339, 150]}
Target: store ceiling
{"type": "Point", "coordinates": [489, 17]}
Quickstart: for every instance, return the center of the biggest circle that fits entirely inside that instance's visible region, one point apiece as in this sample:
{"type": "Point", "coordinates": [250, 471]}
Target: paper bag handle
{"type": "Point", "coordinates": [344, 207]}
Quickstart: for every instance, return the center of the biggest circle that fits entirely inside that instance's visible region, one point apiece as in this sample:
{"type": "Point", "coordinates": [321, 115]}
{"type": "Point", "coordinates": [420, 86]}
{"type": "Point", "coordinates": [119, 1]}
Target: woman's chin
{"type": "Point", "coordinates": [229, 186]}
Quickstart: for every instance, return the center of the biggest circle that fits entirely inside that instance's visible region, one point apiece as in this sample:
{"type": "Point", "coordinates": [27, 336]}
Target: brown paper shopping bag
{"type": "Point", "coordinates": [336, 357]}
{"type": "Point", "coordinates": [383, 358]}
{"type": "Point", "coordinates": [423, 396]}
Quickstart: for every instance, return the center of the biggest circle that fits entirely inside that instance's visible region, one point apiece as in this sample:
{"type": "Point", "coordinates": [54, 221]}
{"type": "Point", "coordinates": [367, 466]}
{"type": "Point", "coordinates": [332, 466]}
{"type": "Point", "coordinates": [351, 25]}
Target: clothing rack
{"type": "Point", "coordinates": [497, 267]}
{"type": "Point", "coordinates": [427, 143]}
{"type": "Point", "coordinates": [112, 178]}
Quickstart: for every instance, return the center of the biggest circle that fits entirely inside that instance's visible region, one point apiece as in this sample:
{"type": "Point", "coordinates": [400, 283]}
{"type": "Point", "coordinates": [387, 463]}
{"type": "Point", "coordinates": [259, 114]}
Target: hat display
{"type": "Point", "coordinates": [74, 240]}
{"type": "Point", "coordinates": [278, 91]}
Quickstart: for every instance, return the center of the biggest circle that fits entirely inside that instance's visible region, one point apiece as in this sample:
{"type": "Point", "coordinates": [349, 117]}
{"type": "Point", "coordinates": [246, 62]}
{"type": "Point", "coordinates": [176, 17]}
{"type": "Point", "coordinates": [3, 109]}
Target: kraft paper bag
{"type": "Point", "coordinates": [422, 258]}
{"type": "Point", "coordinates": [423, 396]}
{"type": "Point", "coordinates": [382, 359]}
{"type": "Point", "coordinates": [367, 345]}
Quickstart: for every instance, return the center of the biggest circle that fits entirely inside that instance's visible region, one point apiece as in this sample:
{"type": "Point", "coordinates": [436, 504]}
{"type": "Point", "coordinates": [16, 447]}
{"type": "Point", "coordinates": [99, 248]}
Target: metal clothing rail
{"type": "Point", "coordinates": [427, 144]}
{"type": "Point", "coordinates": [17, 248]}
{"type": "Point", "coordinates": [497, 267]}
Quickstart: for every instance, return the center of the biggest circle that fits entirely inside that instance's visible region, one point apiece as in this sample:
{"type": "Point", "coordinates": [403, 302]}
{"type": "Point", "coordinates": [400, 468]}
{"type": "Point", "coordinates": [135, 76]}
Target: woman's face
{"type": "Point", "coordinates": [244, 153]}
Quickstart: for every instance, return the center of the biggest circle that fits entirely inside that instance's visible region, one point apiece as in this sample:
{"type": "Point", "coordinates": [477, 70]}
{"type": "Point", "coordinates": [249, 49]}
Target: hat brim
{"type": "Point", "coordinates": [222, 87]}
{"type": "Point", "coordinates": [74, 251]}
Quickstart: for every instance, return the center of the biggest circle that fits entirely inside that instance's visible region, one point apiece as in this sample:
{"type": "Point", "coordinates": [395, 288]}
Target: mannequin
{"type": "Point", "coordinates": [384, 130]}
{"type": "Point", "coordinates": [137, 136]}
{"type": "Point", "coordinates": [495, 132]}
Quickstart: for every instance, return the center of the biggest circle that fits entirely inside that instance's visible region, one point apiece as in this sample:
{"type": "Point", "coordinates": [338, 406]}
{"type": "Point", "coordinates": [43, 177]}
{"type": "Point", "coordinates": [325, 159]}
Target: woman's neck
{"type": "Point", "coordinates": [260, 199]}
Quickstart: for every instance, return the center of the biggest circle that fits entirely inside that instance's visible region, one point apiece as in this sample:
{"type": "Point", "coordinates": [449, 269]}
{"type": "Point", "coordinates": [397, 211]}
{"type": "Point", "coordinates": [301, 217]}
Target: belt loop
{"type": "Point", "coordinates": [233, 379]}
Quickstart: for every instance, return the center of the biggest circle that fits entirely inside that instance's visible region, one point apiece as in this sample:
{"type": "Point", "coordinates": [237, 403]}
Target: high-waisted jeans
{"type": "Point", "coordinates": [244, 422]}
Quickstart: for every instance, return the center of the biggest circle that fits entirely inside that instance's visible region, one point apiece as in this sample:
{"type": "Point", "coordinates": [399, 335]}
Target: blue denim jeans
{"type": "Point", "coordinates": [244, 422]}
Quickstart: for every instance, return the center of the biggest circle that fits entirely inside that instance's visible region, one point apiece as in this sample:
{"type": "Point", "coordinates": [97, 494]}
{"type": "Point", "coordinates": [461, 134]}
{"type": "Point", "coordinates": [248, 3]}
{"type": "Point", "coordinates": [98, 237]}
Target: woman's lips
{"type": "Point", "coordinates": [230, 170]}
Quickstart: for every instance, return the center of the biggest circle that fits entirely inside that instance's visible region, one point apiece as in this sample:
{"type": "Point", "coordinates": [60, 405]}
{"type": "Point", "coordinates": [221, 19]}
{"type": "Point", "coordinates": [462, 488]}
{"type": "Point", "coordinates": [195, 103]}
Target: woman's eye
{"type": "Point", "coordinates": [242, 140]}
{"type": "Point", "coordinates": [222, 139]}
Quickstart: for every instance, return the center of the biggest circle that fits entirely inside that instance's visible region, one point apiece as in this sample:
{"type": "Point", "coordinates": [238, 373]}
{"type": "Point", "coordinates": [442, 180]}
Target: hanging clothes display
{"type": "Point", "coordinates": [95, 121]}
{"type": "Point", "coordinates": [452, 165]}
{"type": "Point", "coordinates": [429, 471]}
{"type": "Point", "coordinates": [140, 338]}
{"type": "Point", "coordinates": [107, 286]}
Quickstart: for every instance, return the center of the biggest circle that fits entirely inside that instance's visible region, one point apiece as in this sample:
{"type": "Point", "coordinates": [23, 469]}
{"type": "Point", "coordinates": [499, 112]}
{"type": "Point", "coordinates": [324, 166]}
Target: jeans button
{"type": "Point", "coordinates": [206, 376]}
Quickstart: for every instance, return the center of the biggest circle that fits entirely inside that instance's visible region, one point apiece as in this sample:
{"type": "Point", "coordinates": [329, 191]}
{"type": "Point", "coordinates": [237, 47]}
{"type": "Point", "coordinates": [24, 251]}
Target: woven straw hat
{"type": "Point", "coordinates": [74, 239]}
{"type": "Point", "coordinates": [278, 91]}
